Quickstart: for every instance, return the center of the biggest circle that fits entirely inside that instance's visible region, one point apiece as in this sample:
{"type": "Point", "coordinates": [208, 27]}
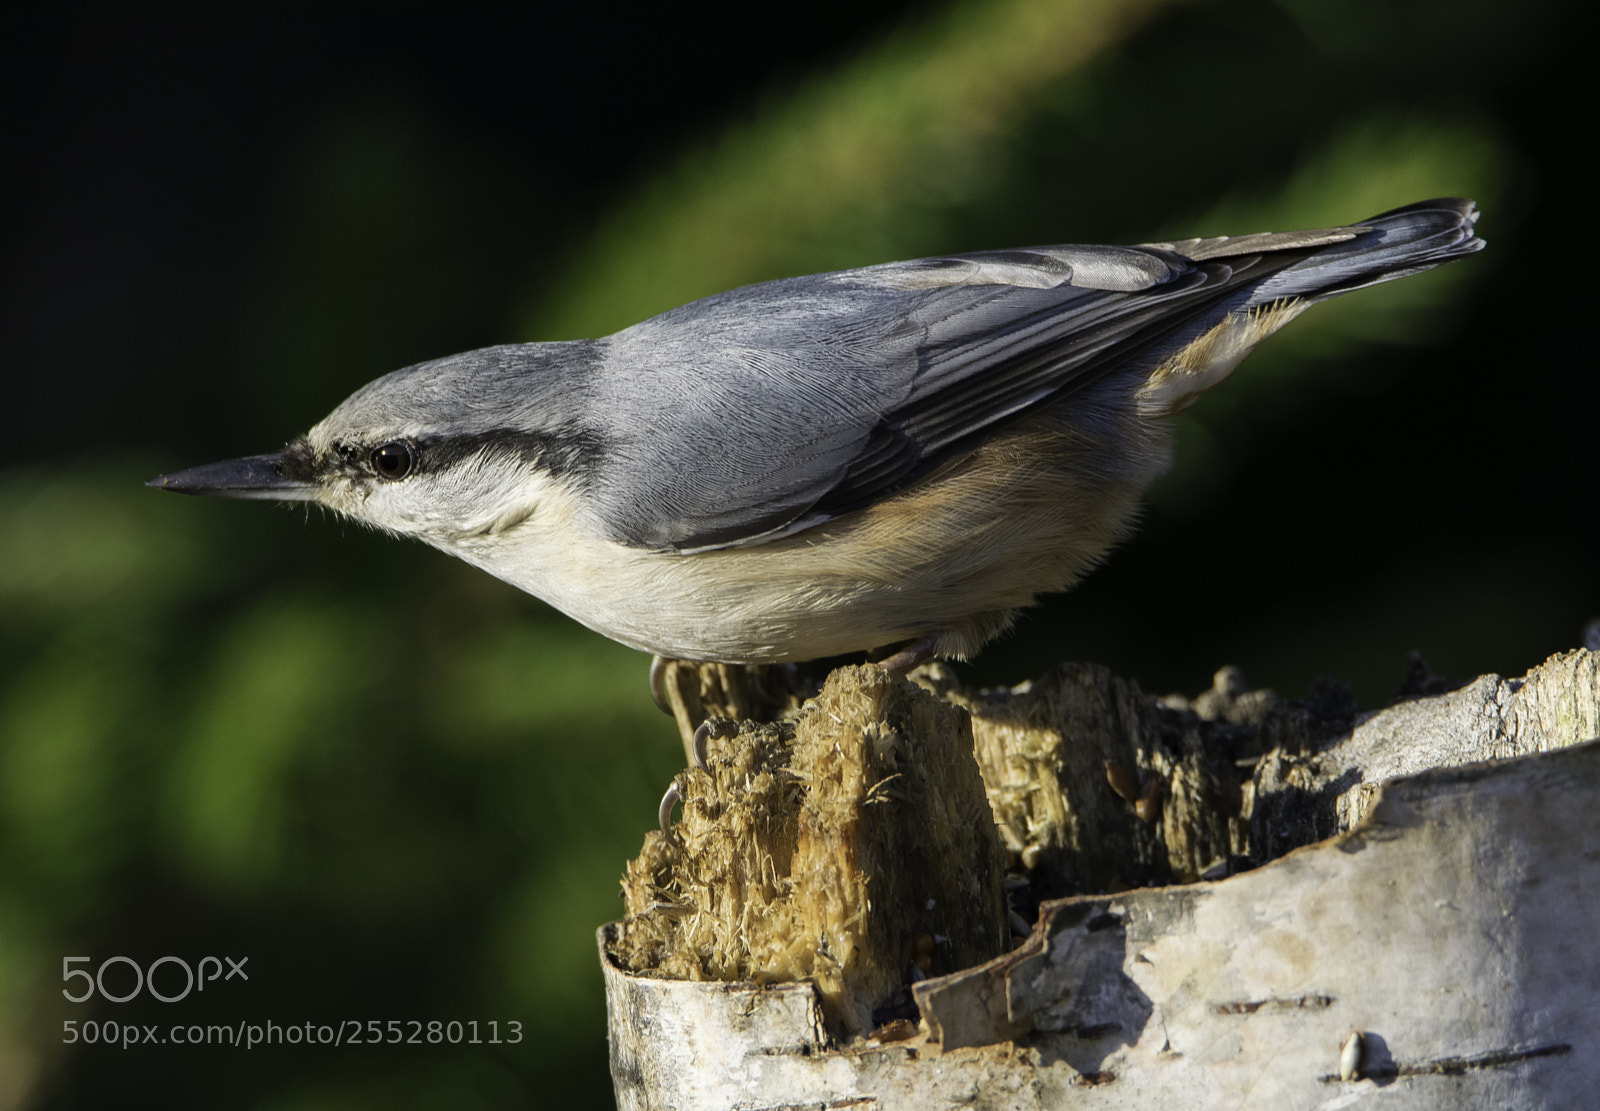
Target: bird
{"type": "Point", "coordinates": [896, 459]}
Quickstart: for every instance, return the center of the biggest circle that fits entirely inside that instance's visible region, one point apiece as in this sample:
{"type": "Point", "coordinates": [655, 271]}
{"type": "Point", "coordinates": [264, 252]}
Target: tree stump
{"type": "Point", "coordinates": [1230, 901]}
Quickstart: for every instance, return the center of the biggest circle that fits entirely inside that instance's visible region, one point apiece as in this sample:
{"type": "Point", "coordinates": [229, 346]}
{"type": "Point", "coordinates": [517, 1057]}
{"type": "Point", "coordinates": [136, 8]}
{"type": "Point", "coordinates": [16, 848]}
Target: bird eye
{"type": "Point", "coordinates": [392, 461]}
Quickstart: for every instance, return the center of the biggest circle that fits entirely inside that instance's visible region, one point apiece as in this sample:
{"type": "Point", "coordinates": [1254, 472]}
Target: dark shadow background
{"type": "Point", "coordinates": [404, 791]}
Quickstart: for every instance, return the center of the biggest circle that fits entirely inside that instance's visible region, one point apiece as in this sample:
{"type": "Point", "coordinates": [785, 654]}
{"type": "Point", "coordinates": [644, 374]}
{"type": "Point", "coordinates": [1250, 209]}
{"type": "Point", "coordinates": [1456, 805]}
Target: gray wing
{"type": "Point", "coordinates": [761, 412]}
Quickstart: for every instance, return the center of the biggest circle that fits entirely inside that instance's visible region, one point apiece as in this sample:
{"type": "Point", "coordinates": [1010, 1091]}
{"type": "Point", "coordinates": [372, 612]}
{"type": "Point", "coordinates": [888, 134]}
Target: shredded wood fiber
{"type": "Point", "coordinates": [845, 847]}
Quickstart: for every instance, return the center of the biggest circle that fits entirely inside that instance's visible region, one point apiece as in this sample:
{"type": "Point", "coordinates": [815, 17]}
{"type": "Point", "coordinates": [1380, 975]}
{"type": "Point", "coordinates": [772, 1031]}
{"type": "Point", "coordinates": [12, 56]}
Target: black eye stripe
{"type": "Point", "coordinates": [393, 461]}
{"type": "Point", "coordinates": [560, 452]}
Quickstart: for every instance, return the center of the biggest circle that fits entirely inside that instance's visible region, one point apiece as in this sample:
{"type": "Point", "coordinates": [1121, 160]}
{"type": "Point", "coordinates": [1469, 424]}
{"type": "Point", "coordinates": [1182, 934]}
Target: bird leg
{"type": "Point", "coordinates": [910, 654]}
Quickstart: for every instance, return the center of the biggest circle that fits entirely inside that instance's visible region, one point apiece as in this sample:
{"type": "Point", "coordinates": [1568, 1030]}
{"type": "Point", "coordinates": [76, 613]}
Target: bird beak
{"type": "Point", "coordinates": [257, 476]}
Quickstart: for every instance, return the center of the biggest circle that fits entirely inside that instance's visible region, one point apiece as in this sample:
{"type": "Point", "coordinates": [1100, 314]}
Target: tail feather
{"type": "Point", "coordinates": [1392, 245]}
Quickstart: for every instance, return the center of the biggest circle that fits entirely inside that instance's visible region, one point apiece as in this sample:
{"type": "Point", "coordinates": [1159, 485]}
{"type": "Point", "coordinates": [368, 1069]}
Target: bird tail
{"type": "Point", "coordinates": [1392, 245]}
{"type": "Point", "coordinates": [1331, 261]}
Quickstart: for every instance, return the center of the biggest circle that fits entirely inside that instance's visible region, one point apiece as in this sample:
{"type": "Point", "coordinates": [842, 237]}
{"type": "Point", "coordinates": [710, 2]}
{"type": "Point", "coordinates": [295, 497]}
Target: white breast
{"type": "Point", "coordinates": [953, 557]}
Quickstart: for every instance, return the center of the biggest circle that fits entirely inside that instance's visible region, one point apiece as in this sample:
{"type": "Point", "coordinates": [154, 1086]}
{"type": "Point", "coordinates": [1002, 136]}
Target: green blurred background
{"type": "Point", "coordinates": [405, 791]}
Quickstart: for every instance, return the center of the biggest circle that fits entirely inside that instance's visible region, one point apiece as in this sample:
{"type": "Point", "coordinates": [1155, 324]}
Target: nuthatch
{"type": "Point", "coordinates": [902, 455]}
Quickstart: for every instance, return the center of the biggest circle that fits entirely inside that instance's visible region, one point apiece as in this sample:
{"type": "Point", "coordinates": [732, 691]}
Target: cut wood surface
{"type": "Point", "coordinates": [1248, 882]}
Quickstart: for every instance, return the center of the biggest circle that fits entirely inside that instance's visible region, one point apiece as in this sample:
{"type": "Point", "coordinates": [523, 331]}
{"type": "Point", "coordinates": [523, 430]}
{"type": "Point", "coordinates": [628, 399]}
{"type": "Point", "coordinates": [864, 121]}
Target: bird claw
{"type": "Point", "coordinates": [711, 727]}
{"type": "Point", "coordinates": [697, 753]}
{"type": "Point", "coordinates": [658, 683]}
{"type": "Point", "coordinates": [697, 747]}
{"type": "Point", "coordinates": [664, 811]}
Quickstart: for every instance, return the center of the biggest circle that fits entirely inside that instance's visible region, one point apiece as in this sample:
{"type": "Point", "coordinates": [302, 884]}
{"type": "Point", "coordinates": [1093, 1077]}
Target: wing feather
{"type": "Point", "coordinates": [779, 406]}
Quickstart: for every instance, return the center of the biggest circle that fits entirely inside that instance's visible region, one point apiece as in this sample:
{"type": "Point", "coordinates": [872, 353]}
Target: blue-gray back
{"type": "Point", "coordinates": [762, 411]}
